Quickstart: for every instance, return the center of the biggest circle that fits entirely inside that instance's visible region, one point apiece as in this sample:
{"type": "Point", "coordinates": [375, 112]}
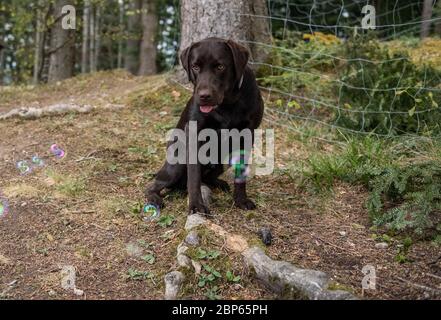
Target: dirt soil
{"type": "Point", "coordinates": [83, 210]}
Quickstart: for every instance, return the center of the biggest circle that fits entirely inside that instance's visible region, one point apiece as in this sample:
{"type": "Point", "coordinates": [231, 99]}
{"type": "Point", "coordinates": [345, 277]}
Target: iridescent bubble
{"type": "Point", "coordinates": [24, 167]}
{"type": "Point", "coordinates": [241, 169]}
{"type": "Point", "coordinates": [57, 151]}
{"type": "Point", "coordinates": [4, 207]}
{"type": "Point", "coordinates": [36, 161]}
{"type": "Point", "coordinates": [150, 212]}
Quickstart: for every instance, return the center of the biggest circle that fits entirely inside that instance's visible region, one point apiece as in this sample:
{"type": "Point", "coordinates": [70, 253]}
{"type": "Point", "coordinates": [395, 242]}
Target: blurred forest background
{"type": "Point", "coordinates": [143, 36]}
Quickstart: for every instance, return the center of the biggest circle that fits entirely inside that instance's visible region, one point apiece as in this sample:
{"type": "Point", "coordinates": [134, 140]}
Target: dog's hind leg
{"type": "Point", "coordinates": [167, 177]}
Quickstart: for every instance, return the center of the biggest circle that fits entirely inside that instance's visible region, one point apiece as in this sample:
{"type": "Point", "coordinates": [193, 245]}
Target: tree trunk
{"type": "Point", "coordinates": [438, 29]}
{"type": "Point", "coordinates": [427, 15]}
{"type": "Point", "coordinates": [438, 23]}
{"type": "Point", "coordinates": [85, 46]}
{"type": "Point", "coordinates": [132, 46]}
{"type": "Point", "coordinates": [38, 54]}
{"type": "Point", "coordinates": [121, 28]}
{"type": "Point", "coordinates": [97, 37]}
{"type": "Point", "coordinates": [245, 21]}
{"type": "Point", "coordinates": [92, 39]}
{"type": "Point", "coordinates": [44, 70]}
{"type": "Point", "coordinates": [147, 55]}
{"type": "Point", "coordinates": [62, 51]}
{"type": "Point", "coordinates": [377, 6]}
{"type": "Point", "coordinates": [1, 65]}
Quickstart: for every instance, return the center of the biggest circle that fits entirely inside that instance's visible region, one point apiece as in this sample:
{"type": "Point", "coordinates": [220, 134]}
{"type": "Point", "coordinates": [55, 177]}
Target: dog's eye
{"type": "Point", "coordinates": [195, 67]}
{"type": "Point", "coordinates": [221, 67]}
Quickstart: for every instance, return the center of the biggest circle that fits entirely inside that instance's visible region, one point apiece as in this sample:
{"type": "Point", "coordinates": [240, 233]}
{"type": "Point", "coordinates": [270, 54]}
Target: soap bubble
{"type": "Point", "coordinates": [239, 163]}
{"type": "Point", "coordinates": [150, 212]}
{"type": "Point", "coordinates": [37, 161]}
{"type": "Point", "coordinates": [24, 167]}
{"type": "Point", "coordinates": [4, 207]}
{"type": "Point", "coordinates": [56, 151]}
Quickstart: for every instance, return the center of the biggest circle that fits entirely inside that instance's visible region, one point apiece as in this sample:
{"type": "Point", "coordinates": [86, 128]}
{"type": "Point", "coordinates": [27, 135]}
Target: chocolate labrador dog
{"type": "Point", "coordinates": [225, 96]}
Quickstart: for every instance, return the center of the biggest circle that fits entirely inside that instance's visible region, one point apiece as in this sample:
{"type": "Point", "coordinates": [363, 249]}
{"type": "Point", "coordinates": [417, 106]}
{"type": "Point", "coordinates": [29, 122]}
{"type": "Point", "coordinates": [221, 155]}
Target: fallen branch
{"type": "Point", "coordinates": [433, 276]}
{"type": "Point", "coordinates": [87, 158]}
{"type": "Point", "coordinates": [419, 286]}
{"type": "Point", "coordinates": [32, 112]}
{"type": "Point", "coordinates": [83, 212]}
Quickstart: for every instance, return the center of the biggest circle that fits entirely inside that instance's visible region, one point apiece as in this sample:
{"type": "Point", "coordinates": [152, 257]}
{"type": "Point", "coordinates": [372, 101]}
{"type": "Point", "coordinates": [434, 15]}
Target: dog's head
{"type": "Point", "coordinates": [215, 67]}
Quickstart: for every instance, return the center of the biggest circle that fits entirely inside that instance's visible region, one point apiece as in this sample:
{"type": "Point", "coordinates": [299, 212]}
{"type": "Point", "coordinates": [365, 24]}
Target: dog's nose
{"type": "Point", "coordinates": [204, 95]}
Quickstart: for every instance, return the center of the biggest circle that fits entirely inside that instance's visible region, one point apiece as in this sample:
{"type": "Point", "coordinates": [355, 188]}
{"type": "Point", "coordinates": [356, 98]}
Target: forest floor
{"type": "Point", "coordinates": [83, 210]}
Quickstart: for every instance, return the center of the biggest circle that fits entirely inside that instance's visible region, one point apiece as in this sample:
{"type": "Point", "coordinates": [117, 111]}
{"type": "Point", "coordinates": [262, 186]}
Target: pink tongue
{"type": "Point", "coordinates": [206, 109]}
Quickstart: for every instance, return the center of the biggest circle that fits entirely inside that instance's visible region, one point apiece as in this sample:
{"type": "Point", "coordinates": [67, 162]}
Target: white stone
{"type": "Point", "coordinates": [381, 245]}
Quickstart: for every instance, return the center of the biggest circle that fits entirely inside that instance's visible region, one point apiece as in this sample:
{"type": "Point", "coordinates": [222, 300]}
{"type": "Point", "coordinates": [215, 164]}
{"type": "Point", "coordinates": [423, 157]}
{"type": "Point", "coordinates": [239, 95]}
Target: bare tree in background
{"type": "Point", "coordinates": [438, 15]}
{"type": "Point", "coordinates": [39, 42]}
{"type": "Point", "coordinates": [427, 15]}
{"type": "Point", "coordinates": [148, 49]}
{"type": "Point", "coordinates": [85, 45]}
{"type": "Point", "coordinates": [1, 63]}
{"type": "Point", "coordinates": [377, 6]}
{"type": "Point", "coordinates": [243, 20]}
{"type": "Point", "coordinates": [438, 29]}
{"type": "Point", "coordinates": [121, 28]}
{"type": "Point", "coordinates": [91, 36]}
{"type": "Point", "coordinates": [92, 39]}
{"type": "Point", "coordinates": [62, 46]}
{"type": "Point", "coordinates": [97, 37]}
{"type": "Point", "coordinates": [132, 47]}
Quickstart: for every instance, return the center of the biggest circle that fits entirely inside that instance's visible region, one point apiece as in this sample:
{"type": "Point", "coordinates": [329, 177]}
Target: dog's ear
{"type": "Point", "coordinates": [185, 61]}
{"type": "Point", "coordinates": [240, 57]}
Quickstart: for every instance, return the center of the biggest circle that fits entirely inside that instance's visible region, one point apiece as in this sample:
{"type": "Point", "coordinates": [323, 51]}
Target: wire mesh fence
{"type": "Point", "coordinates": [328, 72]}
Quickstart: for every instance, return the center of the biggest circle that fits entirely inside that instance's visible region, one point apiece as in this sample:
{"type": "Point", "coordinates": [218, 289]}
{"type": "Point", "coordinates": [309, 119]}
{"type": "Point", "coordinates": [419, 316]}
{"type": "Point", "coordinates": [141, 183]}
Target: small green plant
{"type": "Point", "coordinates": [386, 238]}
{"type": "Point", "coordinates": [401, 257]}
{"type": "Point", "coordinates": [144, 243]}
{"type": "Point", "coordinates": [149, 258]}
{"type": "Point", "coordinates": [204, 279]}
{"type": "Point", "coordinates": [138, 275]}
{"type": "Point", "coordinates": [210, 274]}
{"type": "Point", "coordinates": [166, 220]}
{"type": "Point", "coordinates": [231, 277]}
{"type": "Point", "coordinates": [403, 249]}
{"type": "Point", "coordinates": [437, 240]}
{"type": "Point", "coordinates": [202, 254]}
{"type": "Point", "coordinates": [213, 293]}
{"type": "Point", "coordinates": [407, 243]}
{"type": "Point", "coordinates": [136, 207]}
{"type": "Point", "coordinates": [212, 271]}
{"type": "Point", "coordinates": [413, 191]}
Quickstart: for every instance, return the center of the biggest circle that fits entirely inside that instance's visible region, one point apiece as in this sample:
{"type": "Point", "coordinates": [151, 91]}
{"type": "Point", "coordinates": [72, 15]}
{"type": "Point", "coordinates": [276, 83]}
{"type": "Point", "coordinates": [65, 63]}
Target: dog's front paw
{"type": "Point", "coordinates": [245, 204]}
{"type": "Point", "coordinates": [197, 207]}
{"type": "Point", "coordinates": [156, 199]}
